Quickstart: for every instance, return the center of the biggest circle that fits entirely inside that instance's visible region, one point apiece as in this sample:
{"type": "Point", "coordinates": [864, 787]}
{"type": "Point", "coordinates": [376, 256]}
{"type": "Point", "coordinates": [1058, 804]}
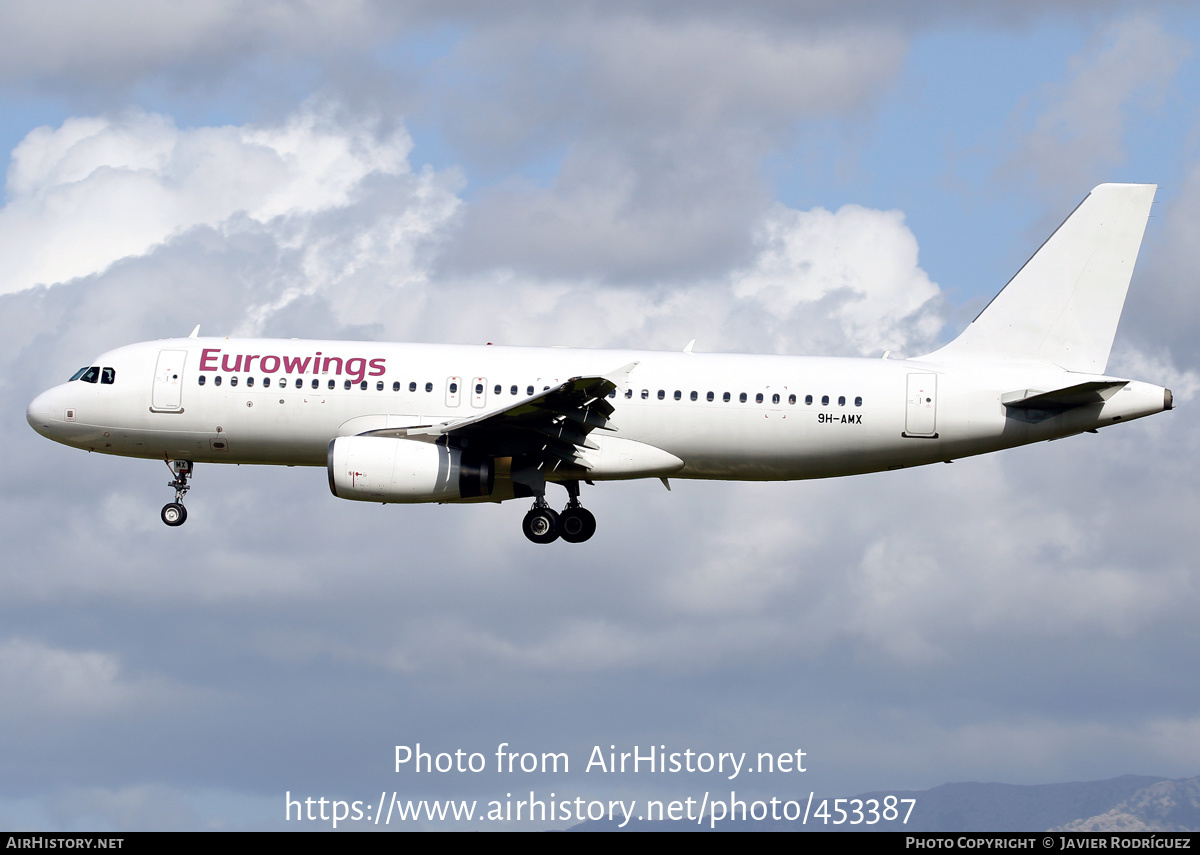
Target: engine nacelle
{"type": "Point", "coordinates": [385, 469]}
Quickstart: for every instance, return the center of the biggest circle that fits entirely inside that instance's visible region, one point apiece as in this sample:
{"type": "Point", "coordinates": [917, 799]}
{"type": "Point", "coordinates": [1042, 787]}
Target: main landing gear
{"type": "Point", "coordinates": [574, 525]}
{"type": "Point", "coordinates": [174, 513]}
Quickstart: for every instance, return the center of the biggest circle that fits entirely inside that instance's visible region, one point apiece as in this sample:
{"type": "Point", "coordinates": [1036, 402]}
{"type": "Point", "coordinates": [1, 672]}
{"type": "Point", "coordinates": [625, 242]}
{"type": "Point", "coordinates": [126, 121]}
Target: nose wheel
{"type": "Point", "coordinates": [174, 513]}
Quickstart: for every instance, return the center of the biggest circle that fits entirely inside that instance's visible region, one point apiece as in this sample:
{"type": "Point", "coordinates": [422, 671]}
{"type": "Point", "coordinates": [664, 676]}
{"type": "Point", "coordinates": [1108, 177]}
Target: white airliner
{"type": "Point", "coordinates": [437, 423]}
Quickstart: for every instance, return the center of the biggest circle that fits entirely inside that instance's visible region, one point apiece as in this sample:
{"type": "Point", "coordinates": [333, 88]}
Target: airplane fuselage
{"type": "Point", "coordinates": [723, 416]}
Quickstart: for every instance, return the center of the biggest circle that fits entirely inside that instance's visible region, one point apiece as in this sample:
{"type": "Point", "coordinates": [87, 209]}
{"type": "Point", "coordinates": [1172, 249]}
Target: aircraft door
{"type": "Point", "coordinates": [478, 391]}
{"type": "Point", "coordinates": [168, 382]}
{"type": "Point", "coordinates": [920, 418]}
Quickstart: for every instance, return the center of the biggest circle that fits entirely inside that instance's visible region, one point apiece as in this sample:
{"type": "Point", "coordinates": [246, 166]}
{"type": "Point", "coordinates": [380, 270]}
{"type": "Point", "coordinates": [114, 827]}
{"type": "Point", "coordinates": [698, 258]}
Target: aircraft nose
{"type": "Point", "coordinates": [38, 413]}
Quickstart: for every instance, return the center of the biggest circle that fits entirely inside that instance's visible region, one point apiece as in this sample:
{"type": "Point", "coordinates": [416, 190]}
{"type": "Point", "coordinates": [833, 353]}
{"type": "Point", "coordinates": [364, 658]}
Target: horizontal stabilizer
{"type": "Point", "coordinates": [1061, 400]}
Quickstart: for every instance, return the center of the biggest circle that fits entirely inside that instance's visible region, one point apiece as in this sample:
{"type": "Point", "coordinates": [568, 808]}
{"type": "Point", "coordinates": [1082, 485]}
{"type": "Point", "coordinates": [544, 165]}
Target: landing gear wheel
{"type": "Point", "coordinates": [576, 525]}
{"type": "Point", "coordinates": [174, 514]}
{"type": "Point", "coordinates": [541, 525]}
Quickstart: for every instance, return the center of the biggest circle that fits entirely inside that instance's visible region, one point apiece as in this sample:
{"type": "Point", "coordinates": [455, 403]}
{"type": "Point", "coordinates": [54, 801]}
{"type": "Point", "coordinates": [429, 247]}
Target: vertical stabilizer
{"type": "Point", "coordinates": [1064, 303]}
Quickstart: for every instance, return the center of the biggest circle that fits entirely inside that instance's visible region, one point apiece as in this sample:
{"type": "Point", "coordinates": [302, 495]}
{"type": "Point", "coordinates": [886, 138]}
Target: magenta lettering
{"type": "Point", "coordinates": [355, 368]}
{"type": "Point", "coordinates": [293, 365]}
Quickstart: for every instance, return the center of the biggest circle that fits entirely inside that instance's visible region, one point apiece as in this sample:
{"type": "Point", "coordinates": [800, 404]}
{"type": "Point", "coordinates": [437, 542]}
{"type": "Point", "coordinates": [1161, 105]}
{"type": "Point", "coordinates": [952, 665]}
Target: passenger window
{"type": "Point", "coordinates": [742, 397]}
{"type": "Point", "coordinates": [512, 390]}
{"type": "Point", "coordinates": [710, 397]}
{"type": "Point", "coordinates": [233, 381]}
{"type": "Point", "coordinates": [332, 384]}
{"type": "Point", "coordinates": [774, 399]}
{"type": "Point", "coordinates": [216, 380]}
{"type": "Point", "coordinates": [808, 400]}
{"type": "Point", "coordinates": [266, 382]}
{"type": "Point", "coordinates": [346, 385]}
{"type": "Point", "coordinates": [824, 400]}
{"type": "Point", "coordinates": [758, 398]}
{"type": "Point", "coordinates": [841, 400]}
{"type": "Point", "coordinates": [412, 387]}
{"type": "Point", "coordinates": [645, 394]}
{"type": "Point", "coordinates": [478, 388]}
{"type": "Point", "coordinates": [678, 395]}
{"type": "Point", "coordinates": [363, 385]}
{"type": "Point", "coordinates": [695, 396]}
{"type": "Point", "coordinates": [249, 381]}
{"type": "Point", "coordinates": [428, 387]}
{"type": "Point", "coordinates": [453, 388]}
{"type": "Point", "coordinates": [613, 393]}
{"type": "Point", "coordinates": [396, 386]}
{"type": "Point", "coordinates": [858, 402]}
{"type": "Point", "coordinates": [725, 397]}
{"type": "Point", "coordinates": [661, 394]}
{"type": "Point", "coordinates": [528, 390]}
{"type": "Point", "coordinates": [107, 376]}
{"type": "Point", "coordinates": [201, 381]}
{"type": "Point", "coordinates": [791, 399]}
{"type": "Point", "coordinates": [497, 390]}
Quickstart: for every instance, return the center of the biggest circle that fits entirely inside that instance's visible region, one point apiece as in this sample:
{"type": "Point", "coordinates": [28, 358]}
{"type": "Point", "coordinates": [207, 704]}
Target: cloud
{"type": "Point", "coordinates": [657, 124]}
{"type": "Point", "coordinates": [71, 45]}
{"type": "Point", "coordinates": [1077, 137]}
{"type": "Point", "coordinates": [858, 264]}
{"type": "Point", "coordinates": [96, 190]}
{"type": "Point", "coordinates": [1163, 313]}
{"type": "Point", "coordinates": [47, 683]}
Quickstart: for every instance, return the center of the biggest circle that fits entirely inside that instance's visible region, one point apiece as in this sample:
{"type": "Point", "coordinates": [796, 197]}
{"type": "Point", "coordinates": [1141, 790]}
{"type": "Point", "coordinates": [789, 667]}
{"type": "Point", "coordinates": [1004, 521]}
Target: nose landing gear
{"type": "Point", "coordinates": [174, 513]}
{"type": "Point", "coordinates": [574, 525]}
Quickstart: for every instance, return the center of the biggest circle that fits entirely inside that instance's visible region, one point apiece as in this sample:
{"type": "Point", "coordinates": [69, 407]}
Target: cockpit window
{"type": "Point", "coordinates": [88, 375]}
{"type": "Point", "coordinates": [108, 376]}
{"type": "Point", "coordinates": [77, 374]}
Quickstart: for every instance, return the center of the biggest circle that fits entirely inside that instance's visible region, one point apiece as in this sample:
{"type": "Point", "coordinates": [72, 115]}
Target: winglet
{"type": "Point", "coordinates": [621, 376]}
{"type": "Point", "coordinates": [195, 333]}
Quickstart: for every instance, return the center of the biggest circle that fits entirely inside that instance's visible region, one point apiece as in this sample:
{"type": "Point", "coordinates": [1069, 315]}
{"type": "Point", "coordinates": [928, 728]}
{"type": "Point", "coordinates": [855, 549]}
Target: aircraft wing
{"type": "Point", "coordinates": [542, 432]}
